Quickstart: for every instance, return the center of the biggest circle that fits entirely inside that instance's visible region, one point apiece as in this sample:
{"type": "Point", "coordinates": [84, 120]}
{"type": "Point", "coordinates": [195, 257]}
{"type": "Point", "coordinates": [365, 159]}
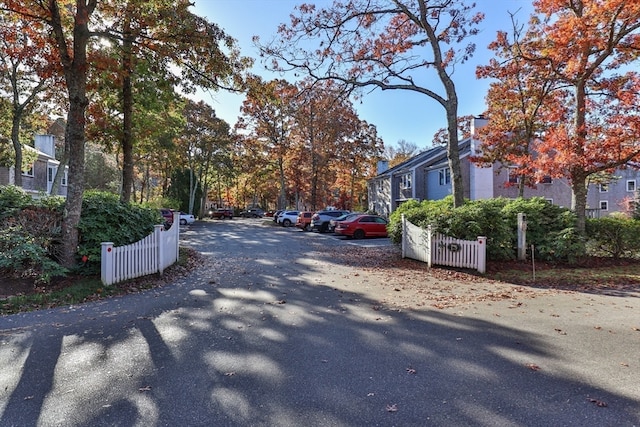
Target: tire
{"type": "Point", "coordinates": [358, 234]}
{"type": "Point", "coordinates": [307, 227]}
{"type": "Point", "coordinates": [324, 227]}
{"type": "Point", "coordinates": [286, 223]}
{"type": "Point", "coordinates": [183, 222]}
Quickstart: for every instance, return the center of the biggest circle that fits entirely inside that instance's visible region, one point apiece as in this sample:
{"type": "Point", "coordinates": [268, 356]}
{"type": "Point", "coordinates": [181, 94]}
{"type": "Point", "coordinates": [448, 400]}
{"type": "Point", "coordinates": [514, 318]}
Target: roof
{"type": "Point", "coordinates": [427, 158]}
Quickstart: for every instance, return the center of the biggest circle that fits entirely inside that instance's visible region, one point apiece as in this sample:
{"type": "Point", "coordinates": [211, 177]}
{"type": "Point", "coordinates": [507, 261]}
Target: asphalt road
{"type": "Point", "coordinates": [274, 331]}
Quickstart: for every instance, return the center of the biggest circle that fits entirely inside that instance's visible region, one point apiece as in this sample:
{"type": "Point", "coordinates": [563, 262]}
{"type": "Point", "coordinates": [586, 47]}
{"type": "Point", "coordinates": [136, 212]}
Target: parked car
{"type": "Point", "coordinates": [252, 213]}
{"type": "Point", "coordinates": [288, 218]}
{"type": "Point", "coordinates": [334, 221]}
{"type": "Point", "coordinates": [303, 221]}
{"type": "Point", "coordinates": [320, 220]}
{"type": "Point", "coordinates": [221, 213]}
{"type": "Point", "coordinates": [186, 218]}
{"type": "Point", "coordinates": [362, 226]}
{"type": "Point", "coordinates": [276, 214]}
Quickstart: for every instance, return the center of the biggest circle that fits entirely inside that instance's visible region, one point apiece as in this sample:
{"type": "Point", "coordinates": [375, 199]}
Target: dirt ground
{"type": "Point", "coordinates": [400, 283]}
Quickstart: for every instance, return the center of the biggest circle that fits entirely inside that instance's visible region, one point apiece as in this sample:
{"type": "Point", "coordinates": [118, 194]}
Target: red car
{"type": "Point", "coordinates": [363, 226]}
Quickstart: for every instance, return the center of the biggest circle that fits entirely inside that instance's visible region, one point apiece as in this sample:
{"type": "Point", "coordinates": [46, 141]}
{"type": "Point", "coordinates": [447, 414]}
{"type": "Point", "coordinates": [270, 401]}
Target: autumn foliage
{"type": "Point", "coordinates": [565, 103]}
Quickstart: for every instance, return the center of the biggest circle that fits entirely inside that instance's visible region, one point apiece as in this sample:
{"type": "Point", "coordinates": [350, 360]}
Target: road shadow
{"type": "Point", "coordinates": [256, 337]}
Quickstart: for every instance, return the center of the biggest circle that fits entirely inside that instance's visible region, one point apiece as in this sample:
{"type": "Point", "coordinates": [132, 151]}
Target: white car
{"type": "Point", "coordinates": [288, 218]}
{"type": "Point", "coordinates": [186, 218]}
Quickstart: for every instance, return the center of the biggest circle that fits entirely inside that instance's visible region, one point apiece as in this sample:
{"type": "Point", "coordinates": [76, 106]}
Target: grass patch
{"type": "Point", "coordinates": [626, 275]}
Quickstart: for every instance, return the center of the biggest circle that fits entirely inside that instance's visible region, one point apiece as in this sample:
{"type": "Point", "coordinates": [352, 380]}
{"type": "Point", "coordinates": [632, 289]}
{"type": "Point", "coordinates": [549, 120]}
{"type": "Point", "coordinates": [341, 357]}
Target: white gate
{"type": "Point", "coordinates": [431, 247]}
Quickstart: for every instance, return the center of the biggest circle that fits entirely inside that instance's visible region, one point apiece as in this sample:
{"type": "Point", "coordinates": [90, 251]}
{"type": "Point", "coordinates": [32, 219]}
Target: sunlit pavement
{"type": "Point", "coordinates": [275, 331]}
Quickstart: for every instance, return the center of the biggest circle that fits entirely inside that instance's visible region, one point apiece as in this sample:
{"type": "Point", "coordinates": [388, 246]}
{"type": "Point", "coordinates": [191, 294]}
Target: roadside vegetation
{"type": "Point", "coordinates": [551, 230]}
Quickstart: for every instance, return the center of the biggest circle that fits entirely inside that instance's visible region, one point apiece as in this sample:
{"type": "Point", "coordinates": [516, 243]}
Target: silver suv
{"type": "Point", "coordinates": [320, 220]}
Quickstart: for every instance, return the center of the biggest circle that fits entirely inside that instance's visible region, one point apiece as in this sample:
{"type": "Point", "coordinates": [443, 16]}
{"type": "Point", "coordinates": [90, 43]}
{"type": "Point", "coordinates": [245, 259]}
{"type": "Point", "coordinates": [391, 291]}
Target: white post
{"type": "Point", "coordinates": [482, 254]}
{"type": "Point", "coordinates": [404, 236]}
{"type": "Point", "coordinates": [159, 242]}
{"type": "Point", "coordinates": [522, 236]}
{"type": "Point", "coordinates": [106, 263]}
{"type": "Point", "coordinates": [430, 249]}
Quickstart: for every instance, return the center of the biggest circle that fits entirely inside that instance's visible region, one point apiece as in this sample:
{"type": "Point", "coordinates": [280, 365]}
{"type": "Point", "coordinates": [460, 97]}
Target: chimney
{"type": "Point", "coordinates": [46, 144]}
{"type": "Point", "coordinates": [477, 123]}
{"type": "Point", "coordinates": [383, 166]}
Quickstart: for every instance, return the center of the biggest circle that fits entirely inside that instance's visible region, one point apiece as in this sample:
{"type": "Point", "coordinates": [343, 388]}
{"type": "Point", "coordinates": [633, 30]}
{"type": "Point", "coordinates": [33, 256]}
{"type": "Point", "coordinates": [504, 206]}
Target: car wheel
{"type": "Point", "coordinates": [307, 227]}
{"type": "Point", "coordinates": [286, 223]}
{"type": "Point", "coordinates": [324, 228]}
{"type": "Point", "coordinates": [183, 222]}
{"type": "Point", "coordinates": [358, 234]}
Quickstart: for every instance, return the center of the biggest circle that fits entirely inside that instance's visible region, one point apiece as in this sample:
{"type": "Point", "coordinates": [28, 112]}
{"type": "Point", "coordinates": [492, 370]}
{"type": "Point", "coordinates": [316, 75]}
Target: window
{"type": "Point", "coordinates": [514, 178]}
{"type": "Point", "coordinates": [444, 176]}
{"type": "Point", "coordinates": [405, 181]}
{"type": "Point", "coordinates": [65, 177]}
{"type": "Point", "coordinates": [604, 205]}
{"type": "Point", "coordinates": [546, 180]}
{"type": "Point", "coordinates": [631, 186]}
{"type": "Point", "coordinates": [28, 172]}
{"type": "Point", "coordinates": [550, 201]}
{"type": "Point", "coordinates": [604, 188]}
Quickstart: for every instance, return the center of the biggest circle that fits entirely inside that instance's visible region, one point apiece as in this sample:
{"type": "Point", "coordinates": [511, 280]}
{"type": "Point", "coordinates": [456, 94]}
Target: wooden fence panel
{"type": "Point", "coordinates": [150, 255]}
{"type": "Point", "coordinates": [434, 248]}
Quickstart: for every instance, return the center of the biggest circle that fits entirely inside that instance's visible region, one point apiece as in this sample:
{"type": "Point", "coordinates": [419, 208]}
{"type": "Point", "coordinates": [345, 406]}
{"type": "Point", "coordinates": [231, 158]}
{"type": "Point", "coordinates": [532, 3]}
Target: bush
{"type": "Point", "coordinates": [12, 199]}
{"type": "Point", "coordinates": [106, 219]}
{"type": "Point", "coordinates": [24, 255]}
{"type": "Point", "coordinates": [549, 228]}
{"type": "Point", "coordinates": [614, 236]}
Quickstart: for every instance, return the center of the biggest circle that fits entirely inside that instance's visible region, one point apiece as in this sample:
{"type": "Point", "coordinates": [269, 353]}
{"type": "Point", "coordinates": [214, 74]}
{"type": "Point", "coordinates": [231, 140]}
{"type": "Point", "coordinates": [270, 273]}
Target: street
{"type": "Point", "coordinates": [275, 329]}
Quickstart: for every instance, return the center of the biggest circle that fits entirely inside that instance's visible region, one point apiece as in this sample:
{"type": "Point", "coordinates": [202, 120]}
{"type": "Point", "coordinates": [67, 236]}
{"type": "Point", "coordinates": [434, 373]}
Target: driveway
{"type": "Point", "coordinates": [280, 328]}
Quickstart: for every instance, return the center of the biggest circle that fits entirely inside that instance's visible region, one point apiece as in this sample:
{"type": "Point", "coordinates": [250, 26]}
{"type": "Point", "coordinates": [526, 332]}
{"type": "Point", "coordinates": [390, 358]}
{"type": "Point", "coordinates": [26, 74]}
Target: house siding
{"type": "Point", "coordinates": [617, 197]}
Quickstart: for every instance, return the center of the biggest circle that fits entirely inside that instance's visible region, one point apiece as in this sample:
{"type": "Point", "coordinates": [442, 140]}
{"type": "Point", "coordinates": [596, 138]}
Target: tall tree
{"type": "Point", "coordinates": [27, 70]}
{"type": "Point", "coordinates": [168, 36]}
{"type": "Point", "coordinates": [591, 48]}
{"type": "Point", "coordinates": [267, 115]}
{"type": "Point", "coordinates": [70, 37]}
{"type": "Point", "coordinates": [385, 44]}
{"type": "Point", "coordinates": [205, 144]}
{"type": "Point", "coordinates": [522, 98]}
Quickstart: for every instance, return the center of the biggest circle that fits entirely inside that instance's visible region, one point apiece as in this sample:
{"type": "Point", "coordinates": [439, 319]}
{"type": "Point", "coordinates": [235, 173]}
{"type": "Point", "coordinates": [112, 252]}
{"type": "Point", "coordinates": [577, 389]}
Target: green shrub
{"type": "Point", "coordinates": [614, 236]}
{"type": "Point", "coordinates": [549, 228]}
{"type": "Point", "coordinates": [12, 199]}
{"type": "Point", "coordinates": [25, 255]}
{"type": "Point", "coordinates": [106, 219]}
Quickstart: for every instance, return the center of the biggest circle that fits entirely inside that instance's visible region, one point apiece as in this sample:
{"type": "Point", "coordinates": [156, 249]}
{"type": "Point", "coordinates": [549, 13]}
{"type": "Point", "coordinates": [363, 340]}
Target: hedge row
{"type": "Point", "coordinates": [550, 228]}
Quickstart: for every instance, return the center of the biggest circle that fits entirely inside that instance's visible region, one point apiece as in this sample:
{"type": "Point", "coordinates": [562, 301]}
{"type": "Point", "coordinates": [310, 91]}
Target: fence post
{"type": "Point", "coordinates": [106, 263]}
{"type": "Point", "coordinates": [176, 218]}
{"type": "Point", "coordinates": [159, 241]}
{"type": "Point", "coordinates": [482, 254]}
{"type": "Point", "coordinates": [404, 236]}
{"type": "Point", "coordinates": [430, 255]}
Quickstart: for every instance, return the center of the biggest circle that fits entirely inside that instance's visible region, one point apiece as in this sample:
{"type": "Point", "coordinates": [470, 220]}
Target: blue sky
{"type": "Point", "coordinates": [398, 115]}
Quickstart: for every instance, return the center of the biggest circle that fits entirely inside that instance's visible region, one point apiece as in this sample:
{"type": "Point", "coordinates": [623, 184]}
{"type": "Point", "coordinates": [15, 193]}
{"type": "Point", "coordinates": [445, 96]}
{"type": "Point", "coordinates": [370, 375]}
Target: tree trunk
{"type": "Point", "coordinates": [75, 69]}
{"type": "Point", "coordinates": [127, 113]}
{"type": "Point", "coordinates": [453, 153]}
{"type": "Point", "coordinates": [17, 148]}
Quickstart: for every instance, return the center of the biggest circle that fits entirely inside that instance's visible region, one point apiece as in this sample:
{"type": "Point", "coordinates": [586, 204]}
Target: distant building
{"type": "Point", "coordinates": [426, 176]}
{"type": "Point", "coordinates": [39, 178]}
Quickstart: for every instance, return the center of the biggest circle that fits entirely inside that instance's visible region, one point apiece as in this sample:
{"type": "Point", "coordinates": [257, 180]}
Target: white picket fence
{"type": "Point", "coordinates": [428, 246]}
{"type": "Point", "coordinates": [150, 255]}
